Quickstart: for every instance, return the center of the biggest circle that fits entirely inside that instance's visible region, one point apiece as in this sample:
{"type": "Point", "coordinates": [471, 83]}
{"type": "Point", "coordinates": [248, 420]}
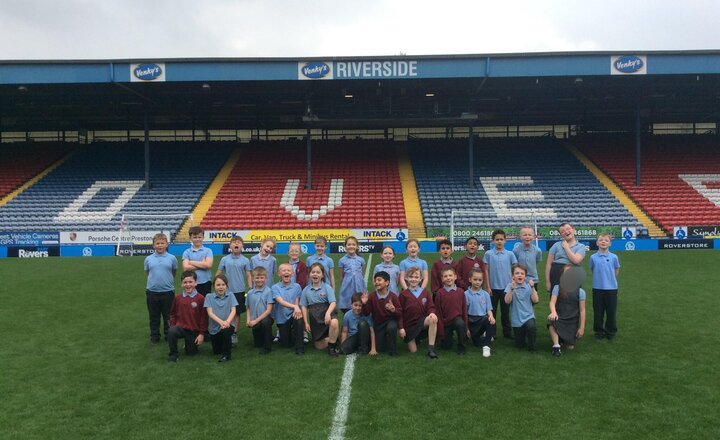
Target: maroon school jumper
{"type": "Point", "coordinates": [376, 307]}
{"type": "Point", "coordinates": [301, 273]}
{"type": "Point", "coordinates": [450, 305]}
{"type": "Point", "coordinates": [414, 309]}
{"type": "Point", "coordinates": [464, 266]}
{"type": "Point", "coordinates": [183, 314]}
{"type": "Point", "coordinates": [436, 274]}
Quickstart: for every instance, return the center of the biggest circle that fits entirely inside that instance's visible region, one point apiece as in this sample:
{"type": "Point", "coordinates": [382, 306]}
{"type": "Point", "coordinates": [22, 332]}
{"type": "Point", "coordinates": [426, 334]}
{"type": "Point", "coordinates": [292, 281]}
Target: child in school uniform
{"type": "Point", "coordinates": [221, 309]}
{"type": "Point", "coordinates": [384, 307]}
{"type": "Point", "coordinates": [566, 321]}
{"type": "Point", "coordinates": [445, 260]}
{"type": "Point", "coordinates": [527, 253]}
{"type": "Point", "coordinates": [318, 309]}
{"type": "Point", "coordinates": [605, 268]}
{"type": "Point", "coordinates": [286, 311]}
{"type": "Point", "coordinates": [521, 296]}
{"type": "Point", "coordinates": [392, 269]}
{"type": "Point", "coordinates": [452, 312]}
{"type": "Point", "coordinates": [188, 320]}
{"type": "Point", "coordinates": [352, 267]}
{"type": "Point", "coordinates": [160, 269]}
{"type": "Point", "coordinates": [265, 259]}
{"type": "Point", "coordinates": [417, 318]}
{"type": "Point", "coordinates": [566, 251]}
{"type": "Point", "coordinates": [321, 257]}
{"type": "Point", "coordinates": [236, 268]}
{"type": "Point", "coordinates": [413, 250]}
{"type": "Point", "coordinates": [358, 334]}
{"type": "Point", "coordinates": [200, 259]}
{"type": "Point", "coordinates": [468, 262]}
{"type": "Point", "coordinates": [260, 305]}
{"type": "Point", "coordinates": [499, 261]}
{"type": "Point", "coordinates": [481, 321]}
{"type": "Point", "coordinates": [300, 272]}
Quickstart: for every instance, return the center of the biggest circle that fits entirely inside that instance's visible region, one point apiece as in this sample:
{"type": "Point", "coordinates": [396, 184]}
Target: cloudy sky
{"type": "Point", "coordinates": [111, 29]}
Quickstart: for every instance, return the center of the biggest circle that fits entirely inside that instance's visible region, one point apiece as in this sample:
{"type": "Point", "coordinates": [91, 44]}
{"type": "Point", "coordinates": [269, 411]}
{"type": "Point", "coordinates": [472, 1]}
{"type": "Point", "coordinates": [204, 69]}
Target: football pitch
{"type": "Point", "coordinates": [77, 363]}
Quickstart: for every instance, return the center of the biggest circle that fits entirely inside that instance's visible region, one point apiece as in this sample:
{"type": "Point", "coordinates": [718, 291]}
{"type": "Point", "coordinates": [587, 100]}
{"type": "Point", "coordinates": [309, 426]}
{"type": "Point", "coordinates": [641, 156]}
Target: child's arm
{"type": "Point", "coordinates": [268, 310]}
{"type": "Point", "coordinates": [332, 277]}
{"type": "Point", "coordinates": [373, 350]}
{"type": "Point", "coordinates": [581, 325]}
{"type": "Point", "coordinates": [486, 277]}
{"type": "Point", "coordinates": [344, 334]}
{"type": "Point", "coordinates": [401, 275]}
{"type": "Point", "coordinates": [214, 317]}
{"type": "Point", "coordinates": [509, 293]}
{"type": "Point", "coordinates": [491, 317]}
{"type": "Point", "coordinates": [425, 278]}
{"type": "Point", "coordinates": [305, 318]}
{"type": "Point", "coordinates": [248, 280]}
{"type": "Point", "coordinates": [534, 296]}
{"type": "Point", "coordinates": [548, 265]}
{"type": "Point", "coordinates": [329, 312]}
{"type": "Point", "coordinates": [575, 258]}
{"type": "Point", "coordinates": [553, 312]}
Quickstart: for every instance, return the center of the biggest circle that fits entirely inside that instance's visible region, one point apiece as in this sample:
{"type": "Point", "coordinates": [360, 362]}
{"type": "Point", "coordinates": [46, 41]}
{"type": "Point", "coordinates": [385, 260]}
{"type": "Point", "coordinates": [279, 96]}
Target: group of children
{"type": "Point", "coordinates": [461, 302]}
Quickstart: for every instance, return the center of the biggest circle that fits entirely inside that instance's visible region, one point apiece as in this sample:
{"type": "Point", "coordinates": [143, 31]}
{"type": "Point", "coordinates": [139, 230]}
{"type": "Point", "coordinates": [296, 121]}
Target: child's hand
{"type": "Point", "coordinates": [327, 319]}
{"type": "Point", "coordinates": [531, 282]}
{"type": "Point", "coordinates": [433, 318]}
{"type": "Point", "coordinates": [307, 328]}
{"type": "Point", "coordinates": [297, 313]}
{"type": "Point", "coordinates": [580, 332]}
{"type": "Point", "coordinates": [491, 320]}
{"type": "Point", "coordinates": [402, 333]}
{"type": "Point", "coordinates": [373, 352]}
{"type": "Point", "coordinates": [468, 333]}
{"type": "Point", "coordinates": [512, 284]}
{"type": "Point", "coordinates": [224, 325]}
{"type": "Point", "coordinates": [547, 285]}
{"type": "Point", "coordinates": [364, 298]}
{"type": "Point", "coordinates": [552, 316]}
{"type": "Point", "coordinates": [389, 306]}
{"type": "Point", "coordinates": [250, 323]}
{"type": "Point", "coordinates": [200, 339]}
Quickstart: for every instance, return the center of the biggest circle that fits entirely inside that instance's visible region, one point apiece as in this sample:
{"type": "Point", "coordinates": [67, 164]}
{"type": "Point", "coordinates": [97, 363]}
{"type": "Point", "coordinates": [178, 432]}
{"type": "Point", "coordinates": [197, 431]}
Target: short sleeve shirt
{"type": "Point", "coordinates": [317, 295]}
{"type": "Point", "coordinates": [351, 322]}
{"type": "Point", "coordinates": [221, 307]}
{"type": "Point", "coordinates": [521, 307]}
{"type": "Point", "coordinates": [288, 293]}
{"type": "Point", "coordinates": [603, 267]}
{"type": "Point", "coordinates": [581, 293]}
{"type": "Point", "coordinates": [409, 262]}
{"type": "Point", "coordinates": [499, 264]}
{"type": "Point", "coordinates": [192, 254]}
{"type": "Point", "coordinates": [528, 257]}
{"type": "Point", "coordinates": [559, 254]}
{"type": "Point", "coordinates": [478, 303]}
{"type": "Point", "coordinates": [159, 268]}
{"type": "Point", "coordinates": [393, 270]}
{"type": "Point", "coordinates": [235, 268]}
{"type": "Point", "coordinates": [257, 301]}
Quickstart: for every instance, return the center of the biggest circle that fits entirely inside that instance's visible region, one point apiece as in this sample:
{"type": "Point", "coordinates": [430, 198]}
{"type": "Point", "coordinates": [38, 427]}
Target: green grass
{"type": "Point", "coordinates": [76, 364]}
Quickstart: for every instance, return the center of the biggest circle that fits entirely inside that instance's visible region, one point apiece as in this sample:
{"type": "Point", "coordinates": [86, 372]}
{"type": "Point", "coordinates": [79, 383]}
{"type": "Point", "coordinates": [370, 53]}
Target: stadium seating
{"type": "Point", "coordinates": [23, 160]}
{"type": "Point", "coordinates": [91, 190]}
{"type": "Point", "coordinates": [680, 176]}
{"type": "Point", "coordinates": [355, 185]}
{"type": "Point", "coordinates": [512, 178]}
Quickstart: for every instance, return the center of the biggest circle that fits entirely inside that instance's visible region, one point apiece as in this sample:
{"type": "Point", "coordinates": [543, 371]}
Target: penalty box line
{"type": "Point", "coordinates": [337, 430]}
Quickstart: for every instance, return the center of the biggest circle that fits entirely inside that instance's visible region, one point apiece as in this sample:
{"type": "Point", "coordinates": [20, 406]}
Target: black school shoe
{"type": "Point", "coordinates": [224, 358]}
{"type": "Point", "coordinates": [432, 354]}
{"type": "Point", "coordinates": [332, 352]}
{"type": "Point", "coordinates": [172, 358]}
{"type": "Point", "coordinates": [556, 352]}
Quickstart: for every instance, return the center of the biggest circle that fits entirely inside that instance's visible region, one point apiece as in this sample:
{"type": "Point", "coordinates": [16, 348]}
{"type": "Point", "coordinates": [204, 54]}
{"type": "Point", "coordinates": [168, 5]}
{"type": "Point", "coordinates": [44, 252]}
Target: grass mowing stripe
{"type": "Point", "coordinates": [337, 431]}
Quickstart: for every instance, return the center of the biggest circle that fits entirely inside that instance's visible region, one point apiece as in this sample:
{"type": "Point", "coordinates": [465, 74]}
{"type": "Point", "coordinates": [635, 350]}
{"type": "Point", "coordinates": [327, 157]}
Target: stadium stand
{"type": "Point", "coordinates": [512, 177]}
{"type": "Point", "coordinates": [355, 185]}
{"type": "Point", "coordinates": [21, 161]}
{"type": "Point", "coordinates": [91, 190]}
{"type": "Point", "coordinates": [680, 175]}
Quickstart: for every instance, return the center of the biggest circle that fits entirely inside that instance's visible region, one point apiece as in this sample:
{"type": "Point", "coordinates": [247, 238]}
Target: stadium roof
{"type": "Point", "coordinates": [594, 90]}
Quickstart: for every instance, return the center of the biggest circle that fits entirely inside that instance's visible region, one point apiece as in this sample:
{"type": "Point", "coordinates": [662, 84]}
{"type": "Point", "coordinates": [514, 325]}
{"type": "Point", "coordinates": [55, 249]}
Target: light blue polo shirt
{"type": "Point", "coordinates": [326, 261]}
{"type": "Point", "coordinates": [581, 293]}
{"type": "Point", "coordinates": [521, 307]}
{"type": "Point", "coordinates": [269, 263]}
{"type": "Point", "coordinates": [289, 293]}
{"type": "Point", "coordinates": [221, 307]}
{"type": "Point", "coordinates": [351, 322]}
{"type": "Point", "coordinates": [393, 270]}
{"type": "Point", "coordinates": [192, 254]}
{"type": "Point", "coordinates": [528, 257]}
{"type": "Point", "coordinates": [603, 266]}
{"type": "Point", "coordinates": [257, 301]}
{"type": "Point", "coordinates": [416, 291]}
{"type": "Point", "coordinates": [235, 268]}
{"type": "Point", "coordinates": [559, 254]}
{"type": "Point", "coordinates": [409, 262]}
{"type": "Point", "coordinates": [159, 268]}
{"type": "Point", "coordinates": [478, 303]}
{"type": "Point", "coordinates": [317, 295]}
{"type": "Point", "coordinates": [499, 266]}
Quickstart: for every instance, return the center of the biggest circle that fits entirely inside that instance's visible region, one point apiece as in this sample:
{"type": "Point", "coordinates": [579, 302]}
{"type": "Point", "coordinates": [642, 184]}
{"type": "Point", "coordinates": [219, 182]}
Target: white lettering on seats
{"type": "Point", "coordinates": [334, 199]}
{"type": "Point", "coordinates": [699, 182]}
{"type": "Point", "coordinates": [72, 212]}
{"type": "Point", "coordinates": [499, 198]}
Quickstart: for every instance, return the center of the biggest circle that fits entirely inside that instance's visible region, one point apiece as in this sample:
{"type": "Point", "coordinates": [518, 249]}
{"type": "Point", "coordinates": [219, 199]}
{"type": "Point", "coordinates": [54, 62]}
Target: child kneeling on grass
{"type": "Point", "coordinates": [188, 319]}
{"type": "Point", "coordinates": [318, 310]}
{"type": "Point", "coordinates": [520, 295]}
{"type": "Point", "coordinates": [566, 321]}
{"type": "Point", "coordinates": [221, 309]}
{"type": "Point", "coordinates": [358, 334]}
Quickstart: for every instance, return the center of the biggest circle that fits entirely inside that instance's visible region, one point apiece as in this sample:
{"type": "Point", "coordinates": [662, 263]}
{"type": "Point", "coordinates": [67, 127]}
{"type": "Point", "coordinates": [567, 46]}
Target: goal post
{"type": "Point", "coordinates": [136, 231]}
{"type": "Point", "coordinates": [466, 223]}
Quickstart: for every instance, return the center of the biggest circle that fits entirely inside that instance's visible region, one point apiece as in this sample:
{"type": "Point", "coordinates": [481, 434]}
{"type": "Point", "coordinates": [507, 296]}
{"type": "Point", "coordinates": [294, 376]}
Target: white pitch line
{"type": "Point", "coordinates": [337, 431]}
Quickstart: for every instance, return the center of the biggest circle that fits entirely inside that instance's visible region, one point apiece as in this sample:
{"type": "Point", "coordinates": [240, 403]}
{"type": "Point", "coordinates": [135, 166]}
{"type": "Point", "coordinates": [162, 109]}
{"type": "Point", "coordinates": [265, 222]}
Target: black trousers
{"type": "Point", "coordinates": [526, 335]}
{"type": "Point", "coordinates": [386, 336]}
{"type": "Point", "coordinates": [457, 325]}
{"type": "Point", "coordinates": [222, 341]}
{"type": "Point", "coordinates": [159, 303]}
{"type": "Point", "coordinates": [189, 336]}
{"type": "Point", "coordinates": [262, 334]}
{"type": "Point", "coordinates": [498, 297]}
{"type": "Point", "coordinates": [359, 342]}
{"type": "Point", "coordinates": [604, 311]}
{"type": "Point", "coordinates": [479, 325]}
{"type": "Point", "coordinates": [291, 334]}
{"type": "Point", "coordinates": [204, 288]}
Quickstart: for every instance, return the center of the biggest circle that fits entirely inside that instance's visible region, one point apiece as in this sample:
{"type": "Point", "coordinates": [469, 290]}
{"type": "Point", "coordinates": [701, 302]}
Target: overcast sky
{"type": "Point", "coordinates": [110, 29]}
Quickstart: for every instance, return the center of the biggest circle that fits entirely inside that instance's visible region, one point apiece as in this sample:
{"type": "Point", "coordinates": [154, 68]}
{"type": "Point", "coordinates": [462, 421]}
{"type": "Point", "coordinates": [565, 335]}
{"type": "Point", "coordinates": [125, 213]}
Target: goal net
{"type": "Point", "coordinates": [137, 231]}
{"type": "Point", "coordinates": [466, 223]}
